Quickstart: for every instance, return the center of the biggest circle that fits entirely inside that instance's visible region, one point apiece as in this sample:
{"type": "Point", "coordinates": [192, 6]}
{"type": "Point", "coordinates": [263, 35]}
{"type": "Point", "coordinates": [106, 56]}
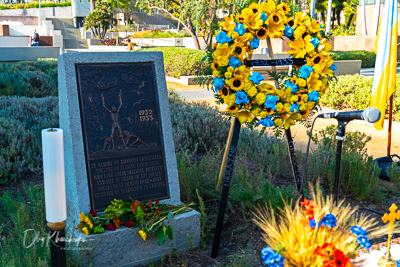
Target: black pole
{"type": "Point", "coordinates": [340, 137]}
{"type": "Point", "coordinates": [225, 189]}
{"type": "Point", "coordinates": [57, 246]}
{"type": "Point", "coordinates": [293, 160]}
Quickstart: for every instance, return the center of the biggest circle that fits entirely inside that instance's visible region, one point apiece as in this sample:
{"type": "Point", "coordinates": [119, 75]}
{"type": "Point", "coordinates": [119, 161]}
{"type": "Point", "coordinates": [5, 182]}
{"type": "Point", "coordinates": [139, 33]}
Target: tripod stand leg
{"type": "Point", "coordinates": [293, 159]}
{"type": "Point", "coordinates": [340, 137]}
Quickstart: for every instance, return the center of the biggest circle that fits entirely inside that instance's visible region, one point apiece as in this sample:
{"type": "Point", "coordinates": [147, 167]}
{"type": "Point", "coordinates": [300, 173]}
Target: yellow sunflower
{"type": "Point", "coordinates": [275, 18]}
{"type": "Point", "coordinates": [256, 8]}
{"type": "Point", "coordinates": [214, 65]}
{"type": "Point", "coordinates": [298, 33]}
{"type": "Point", "coordinates": [242, 72]}
{"type": "Point", "coordinates": [262, 33]}
{"type": "Point", "coordinates": [244, 17]}
{"type": "Point", "coordinates": [237, 83]}
{"type": "Point", "coordinates": [284, 7]}
{"type": "Point", "coordinates": [233, 109]}
{"type": "Point", "coordinates": [223, 92]}
{"type": "Point", "coordinates": [317, 59]}
{"type": "Point", "coordinates": [239, 50]}
{"type": "Point", "coordinates": [290, 23]}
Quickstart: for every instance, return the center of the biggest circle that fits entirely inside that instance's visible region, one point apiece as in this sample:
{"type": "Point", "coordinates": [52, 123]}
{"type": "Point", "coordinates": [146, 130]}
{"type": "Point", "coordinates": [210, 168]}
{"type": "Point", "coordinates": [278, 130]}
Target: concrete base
{"type": "Point", "coordinates": [125, 247]}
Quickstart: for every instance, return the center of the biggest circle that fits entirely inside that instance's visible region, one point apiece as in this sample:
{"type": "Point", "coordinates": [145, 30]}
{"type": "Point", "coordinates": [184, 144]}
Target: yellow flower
{"type": "Point", "coordinates": [294, 80]}
{"type": "Point", "coordinates": [247, 37]}
{"type": "Point", "coordinates": [301, 18]}
{"type": "Point", "coordinates": [290, 23]}
{"type": "Point", "coordinates": [143, 234]}
{"type": "Point", "coordinates": [237, 83]}
{"type": "Point", "coordinates": [222, 54]}
{"type": "Point", "coordinates": [317, 59]}
{"type": "Point", "coordinates": [244, 16]}
{"type": "Point", "coordinates": [314, 83]}
{"type": "Point", "coordinates": [280, 108]}
{"type": "Point", "coordinates": [298, 33]}
{"type": "Point", "coordinates": [217, 73]}
{"type": "Point", "coordinates": [233, 109]}
{"type": "Point", "coordinates": [263, 114]}
{"type": "Point", "coordinates": [276, 31]}
{"type": "Point", "coordinates": [314, 26]}
{"type": "Point", "coordinates": [252, 91]}
{"type": "Point", "coordinates": [223, 92]}
{"type": "Point", "coordinates": [223, 61]}
{"type": "Point", "coordinates": [85, 230]}
{"type": "Point", "coordinates": [233, 35]}
{"type": "Point", "coordinates": [242, 72]}
{"type": "Point", "coordinates": [294, 98]}
{"type": "Point", "coordinates": [300, 47]}
{"type": "Point", "coordinates": [261, 97]}
{"type": "Point", "coordinates": [262, 33]}
{"type": "Point", "coordinates": [239, 50]}
{"type": "Point", "coordinates": [256, 112]}
{"type": "Point", "coordinates": [230, 100]}
{"type": "Point", "coordinates": [81, 216]}
{"type": "Point", "coordinates": [244, 115]}
{"type": "Point", "coordinates": [284, 7]}
{"type": "Point", "coordinates": [301, 82]}
{"type": "Point", "coordinates": [267, 88]}
{"type": "Point", "coordinates": [255, 8]}
{"type": "Point", "coordinates": [324, 47]}
{"type": "Point", "coordinates": [305, 113]}
{"type": "Point", "coordinates": [278, 122]}
{"type": "Point", "coordinates": [229, 24]}
{"type": "Point", "coordinates": [291, 120]}
{"type": "Point", "coordinates": [268, 7]}
{"type": "Point", "coordinates": [275, 18]}
{"type": "Point", "coordinates": [229, 72]}
{"type": "Point", "coordinates": [214, 65]}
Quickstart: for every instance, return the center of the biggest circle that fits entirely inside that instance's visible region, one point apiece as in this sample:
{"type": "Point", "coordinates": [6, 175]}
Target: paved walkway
{"type": "Point", "coordinates": [369, 72]}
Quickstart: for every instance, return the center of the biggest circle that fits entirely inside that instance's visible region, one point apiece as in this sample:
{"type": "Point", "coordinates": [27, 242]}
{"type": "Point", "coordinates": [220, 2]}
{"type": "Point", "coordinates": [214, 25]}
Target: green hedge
{"type": "Point", "coordinates": [367, 57]}
{"type": "Point", "coordinates": [33, 4]}
{"type": "Point", "coordinates": [29, 78]}
{"type": "Point", "coordinates": [180, 61]}
{"type": "Point", "coordinates": [354, 92]}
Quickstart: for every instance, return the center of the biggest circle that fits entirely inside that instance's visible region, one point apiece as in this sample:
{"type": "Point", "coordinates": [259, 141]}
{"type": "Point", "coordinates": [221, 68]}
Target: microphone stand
{"type": "Point", "coordinates": [340, 137]}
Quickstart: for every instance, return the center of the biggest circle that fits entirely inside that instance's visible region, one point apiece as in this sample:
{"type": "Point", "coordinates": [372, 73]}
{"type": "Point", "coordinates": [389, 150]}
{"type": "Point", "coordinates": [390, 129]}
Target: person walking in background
{"type": "Point", "coordinates": [34, 38]}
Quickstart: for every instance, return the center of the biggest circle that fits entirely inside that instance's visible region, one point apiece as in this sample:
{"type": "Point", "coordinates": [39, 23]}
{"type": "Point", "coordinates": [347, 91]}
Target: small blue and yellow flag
{"type": "Point", "coordinates": [384, 82]}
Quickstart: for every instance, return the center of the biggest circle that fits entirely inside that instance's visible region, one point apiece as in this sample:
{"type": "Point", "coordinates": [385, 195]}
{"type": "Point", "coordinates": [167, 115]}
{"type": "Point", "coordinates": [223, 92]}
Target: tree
{"type": "Point", "coordinates": [189, 13]}
{"type": "Point", "coordinates": [125, 6]}
{"type": "Point", "coordinates": [99, 19]}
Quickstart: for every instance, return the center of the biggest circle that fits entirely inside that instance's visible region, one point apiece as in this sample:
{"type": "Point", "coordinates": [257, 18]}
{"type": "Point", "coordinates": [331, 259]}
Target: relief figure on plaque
{"type": "Point", "coordinates": [114, 113]}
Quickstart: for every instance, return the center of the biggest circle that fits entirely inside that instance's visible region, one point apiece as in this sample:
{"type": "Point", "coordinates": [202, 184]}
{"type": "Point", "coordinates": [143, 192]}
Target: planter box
{"type": "Point", "coordinates": [345, 67]}
{"type": "Point", "coordinates": [185, 80]}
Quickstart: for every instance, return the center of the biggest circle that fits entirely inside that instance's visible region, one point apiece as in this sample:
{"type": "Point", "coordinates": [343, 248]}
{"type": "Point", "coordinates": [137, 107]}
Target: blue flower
{"type": "Point", "coordinates": [288, 31]}
{"type": "Point", "coordinates": [312, 223]}
{"type": "Point", "coordinates": [241, 98]}
{"type": "Point", "coordinates": [256, 78]}
{"type": "Point", "coordinates": [357, 230]}
{"type": "Point", "coordinates": [321, 26]}
{"type": "Point", "coordinates": [329, 221]}
{"type": "Point", "coordinates": [271, 258]}
{"type": "Point", "coordinates": [291, 85]}
{"type": "Point", "coordinates": [313, 96]}
{"type": "Point", "coordinates": [255, 43]}
{"type": "Point", "coordinates": [294, 108]}
{"type": "Point", "coordinates": [234, 62]}
{"type": "Point", "coordinates": [223, 38]}
{"type": "Point", "coordinates": [218, 83]}
{"type": "Point", "coordinates": [398, 263]}
{"type": "Point", "coordinates": [363, 240]}
{"type": "Point", "coordinates": [270, 102]}
{"type": "Point", "coordinates": [263, 16]}
{"type": "Point", "coordinates": [240, 29]}
{"type": "Point", "coordinates": [267, 122]}
{"type": "Point", "coordinates": [315, 42]}
{"type": "Point", "coordinates": [333, 67]}
{"type": "Point", "coordinates": [305, 71]}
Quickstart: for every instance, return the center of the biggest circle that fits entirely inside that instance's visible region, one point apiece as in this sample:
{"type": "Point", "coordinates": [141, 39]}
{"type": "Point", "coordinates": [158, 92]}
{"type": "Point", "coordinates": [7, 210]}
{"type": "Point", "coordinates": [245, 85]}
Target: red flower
{"type": "Point", "coordinates": [150, 203]}
{"type": "Point", "coordinates": [93, 213]}
{"type": "Point", "coordinates": [129, 224]}
{"type": "Point", "coordinates": [327, 250]}
{"type": "Point", "coordinates": [143, 208]}
{"type": "Point", "coordinates": [158, 211]}
{"type": "Point", "coordinates": [134, 206]}
{"type": "Point", "coordinates": [110, 227]}
{"type": "Point", "coordinates": [116, 222]}
{"type": "Point", "coordinates": [157, 203]}
{"type": "Point", "coordinates": [309, 207]}
{"type": "Point", "coordinates": [340, 260]}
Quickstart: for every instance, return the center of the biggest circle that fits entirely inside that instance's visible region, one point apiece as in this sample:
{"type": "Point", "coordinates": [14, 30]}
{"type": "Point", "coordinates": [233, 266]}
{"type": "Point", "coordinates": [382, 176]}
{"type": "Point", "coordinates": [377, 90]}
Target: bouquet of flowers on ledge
{"type": "Point", "coordinates": [320, 232]}
{"type": "Point", "coordinates": [148, 217]}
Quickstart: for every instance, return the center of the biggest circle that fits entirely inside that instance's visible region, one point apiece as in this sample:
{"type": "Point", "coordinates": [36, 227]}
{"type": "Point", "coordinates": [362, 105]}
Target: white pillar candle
{"type": "Point", "coordinates": [54, 175]}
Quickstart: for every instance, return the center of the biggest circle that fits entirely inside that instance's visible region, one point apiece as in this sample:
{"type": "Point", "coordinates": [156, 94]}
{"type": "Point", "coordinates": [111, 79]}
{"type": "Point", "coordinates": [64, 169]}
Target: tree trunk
{"type": "Point", "coordinates": [333, 18]}
{"type": "Point", "coordinates": [349, 20]}
{"type": "Point", "coordinates": [192, 32]}
{"type": "Point", "coordinates": [323, 16]}
{"type": "Point", "coordinates": [338, 17]}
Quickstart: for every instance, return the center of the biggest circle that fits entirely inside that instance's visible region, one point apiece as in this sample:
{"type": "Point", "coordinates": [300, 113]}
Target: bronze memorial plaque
{"type": "Point", "coordinates": [122, 133]}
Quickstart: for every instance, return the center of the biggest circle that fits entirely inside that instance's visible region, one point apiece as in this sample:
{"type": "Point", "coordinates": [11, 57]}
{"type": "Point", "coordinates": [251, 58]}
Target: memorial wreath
{"type": "Point", "coordinates": [256, 103]}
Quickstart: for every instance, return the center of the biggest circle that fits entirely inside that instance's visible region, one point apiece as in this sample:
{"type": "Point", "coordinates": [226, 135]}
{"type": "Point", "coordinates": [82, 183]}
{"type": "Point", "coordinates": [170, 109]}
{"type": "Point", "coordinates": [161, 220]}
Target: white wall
{"type": "Point", "coordinates": [13, 41]}
{"type": "Point", "coordinates": [80, 8]}
{"type": "Point", "coordinates": [27, 29]}
{"type": "Point", "coordinates": [50, 12]}
{"type": "Point", "coordinates": [28, 53]}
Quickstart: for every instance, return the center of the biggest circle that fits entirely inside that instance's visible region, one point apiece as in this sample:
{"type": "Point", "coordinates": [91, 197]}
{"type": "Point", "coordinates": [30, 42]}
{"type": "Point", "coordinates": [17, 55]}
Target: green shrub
{"type": "Point", "coordinates": [367, 57]}
{"type": "Point", "coordinates": [342, 30]}
{"type": "Point", "coordinates": [21, 122]}
{"type": "Point", "coordinates": [33, 4]}
{"type": "Point", "coordinates": [29, 78]}
{"type": "Point", "coordinates": [198, 127]}
{"type": "Point", "coordinates": [354, 92]}
{"type": "Point", "coordinates": [180, 61]}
